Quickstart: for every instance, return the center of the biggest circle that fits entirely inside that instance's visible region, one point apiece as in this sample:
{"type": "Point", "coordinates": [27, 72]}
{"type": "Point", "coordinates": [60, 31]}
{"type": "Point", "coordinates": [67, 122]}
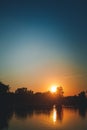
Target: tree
{"type": "Point", "coordinates": [21, 91]}
{"type": "Point", "coordinates": [82, 94]}
{"type": "Point", "coordinates": [30, 92]}
{"type": "Point", "coordinates": [60, 91]}
{"type": "Point", "coordinates": [4, 88]}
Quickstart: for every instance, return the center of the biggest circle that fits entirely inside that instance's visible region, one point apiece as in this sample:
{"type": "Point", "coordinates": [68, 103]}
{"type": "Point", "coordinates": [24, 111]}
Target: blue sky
{"type": "Point", "coordinates": [43, 43]}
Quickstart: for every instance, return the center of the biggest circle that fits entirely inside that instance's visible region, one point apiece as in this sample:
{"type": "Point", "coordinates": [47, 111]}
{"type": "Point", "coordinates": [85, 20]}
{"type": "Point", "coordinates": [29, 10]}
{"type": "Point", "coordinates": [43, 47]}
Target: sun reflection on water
{"type": "Point", "coordinates": [54, 114]}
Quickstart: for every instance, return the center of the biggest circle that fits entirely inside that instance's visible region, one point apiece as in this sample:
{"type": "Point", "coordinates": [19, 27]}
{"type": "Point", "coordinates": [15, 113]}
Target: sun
{"type": "Point", "coordinates": [53, 89]}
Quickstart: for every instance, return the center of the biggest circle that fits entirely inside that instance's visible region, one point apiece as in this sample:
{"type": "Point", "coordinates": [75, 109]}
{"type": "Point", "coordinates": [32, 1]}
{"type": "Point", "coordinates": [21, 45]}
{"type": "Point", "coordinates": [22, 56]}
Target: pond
{"type": "Point", "coordinates": [44, 119]}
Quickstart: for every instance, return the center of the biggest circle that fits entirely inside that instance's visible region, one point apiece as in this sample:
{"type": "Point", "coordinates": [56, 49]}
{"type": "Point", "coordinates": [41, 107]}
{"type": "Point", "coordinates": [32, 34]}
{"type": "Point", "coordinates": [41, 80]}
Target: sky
{"type": "Point", "coordinates": [44, 43]}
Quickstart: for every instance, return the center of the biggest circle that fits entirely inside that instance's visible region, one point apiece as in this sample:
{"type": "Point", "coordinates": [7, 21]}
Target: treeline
{"type": "Point", "coordinates": [23, 98]}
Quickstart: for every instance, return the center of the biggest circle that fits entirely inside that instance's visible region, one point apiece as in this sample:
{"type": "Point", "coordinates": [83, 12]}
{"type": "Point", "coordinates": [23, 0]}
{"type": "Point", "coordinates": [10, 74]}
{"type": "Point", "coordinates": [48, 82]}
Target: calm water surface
{"type": "Point", "coordinates": [46, 119]}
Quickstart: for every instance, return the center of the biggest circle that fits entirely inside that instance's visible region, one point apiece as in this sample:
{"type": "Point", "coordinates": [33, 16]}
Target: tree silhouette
{"type": "Point", "coordinates": [4, 88]}
{"type": "Point", "coordinates": [21, 91]}
{"type": "Point", "coordinates": [60, 91]}
{"type": "Point", "coordinates": [30, 92]}
{"type": "Point", "coordinates": [82, 94]}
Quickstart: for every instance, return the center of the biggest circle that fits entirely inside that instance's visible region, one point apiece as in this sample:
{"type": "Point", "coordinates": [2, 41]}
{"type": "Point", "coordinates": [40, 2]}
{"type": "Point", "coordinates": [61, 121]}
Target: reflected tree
{"type": "Point", "coordinates": [82, 112]}
{"type": "Point", "coordinates": [23, 113]}
{"type": "Point", "coordinates": [60, 114]}
{"type": "Point", "coordinates": [5, 116]}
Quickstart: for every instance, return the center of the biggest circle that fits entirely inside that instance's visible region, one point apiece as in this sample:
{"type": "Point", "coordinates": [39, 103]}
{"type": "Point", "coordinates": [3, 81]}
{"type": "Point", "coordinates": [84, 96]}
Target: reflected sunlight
{"type": "Point", "coordinates": [54, 114]}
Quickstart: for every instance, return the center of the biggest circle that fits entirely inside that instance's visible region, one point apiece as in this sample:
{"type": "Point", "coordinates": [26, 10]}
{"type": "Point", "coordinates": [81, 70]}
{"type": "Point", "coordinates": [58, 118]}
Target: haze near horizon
{"type": "Point", "coordinates": [44, 43]}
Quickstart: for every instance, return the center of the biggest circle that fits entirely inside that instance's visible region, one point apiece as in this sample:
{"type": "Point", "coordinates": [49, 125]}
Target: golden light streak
{"type": "Point", "coordinates": [54, 114]}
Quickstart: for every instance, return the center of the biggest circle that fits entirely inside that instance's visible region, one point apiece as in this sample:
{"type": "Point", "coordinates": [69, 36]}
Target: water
{"type": "Point", "coordinates": [44, 119]}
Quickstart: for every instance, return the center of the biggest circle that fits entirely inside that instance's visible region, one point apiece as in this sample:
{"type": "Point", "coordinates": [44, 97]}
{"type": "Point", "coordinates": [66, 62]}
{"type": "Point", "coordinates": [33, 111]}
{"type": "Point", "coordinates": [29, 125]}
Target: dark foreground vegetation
{"type": "Point", "coordinates": [23, 98]}
{"type": "Point", "coordinates": [25, 102]}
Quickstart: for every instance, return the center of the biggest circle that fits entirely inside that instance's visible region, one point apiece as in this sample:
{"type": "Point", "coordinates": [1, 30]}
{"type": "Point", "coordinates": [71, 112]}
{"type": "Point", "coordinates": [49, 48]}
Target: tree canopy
{"type": "Point", "coordinates": [4, 88]}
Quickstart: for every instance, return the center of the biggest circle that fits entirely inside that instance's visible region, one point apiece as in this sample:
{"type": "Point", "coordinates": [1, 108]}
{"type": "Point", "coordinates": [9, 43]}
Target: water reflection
{"type": "Point", "coordinates": [5, 117]}
{"type": "Point", "coordinates": [23, 113]}
{"type": "Point", "coordinates": [56, 114]}
{"type": "Point", "coordinates": [60, 114]}
{"type": "Point", "coordinates": [82, 112]}
{"type": "Point", "coordinates": [45, 111]}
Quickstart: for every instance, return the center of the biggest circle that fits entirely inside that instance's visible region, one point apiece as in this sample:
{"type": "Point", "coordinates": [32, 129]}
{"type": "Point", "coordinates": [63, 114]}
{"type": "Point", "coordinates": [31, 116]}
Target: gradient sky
{"type": "Point", "coordinates": [44, 43]}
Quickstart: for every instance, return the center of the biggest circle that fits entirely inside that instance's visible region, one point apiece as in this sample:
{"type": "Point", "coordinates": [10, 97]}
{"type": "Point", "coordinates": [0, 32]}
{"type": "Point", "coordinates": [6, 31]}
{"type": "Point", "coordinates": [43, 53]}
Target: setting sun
{"type": "Point", "coordinates": [53, 89]}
